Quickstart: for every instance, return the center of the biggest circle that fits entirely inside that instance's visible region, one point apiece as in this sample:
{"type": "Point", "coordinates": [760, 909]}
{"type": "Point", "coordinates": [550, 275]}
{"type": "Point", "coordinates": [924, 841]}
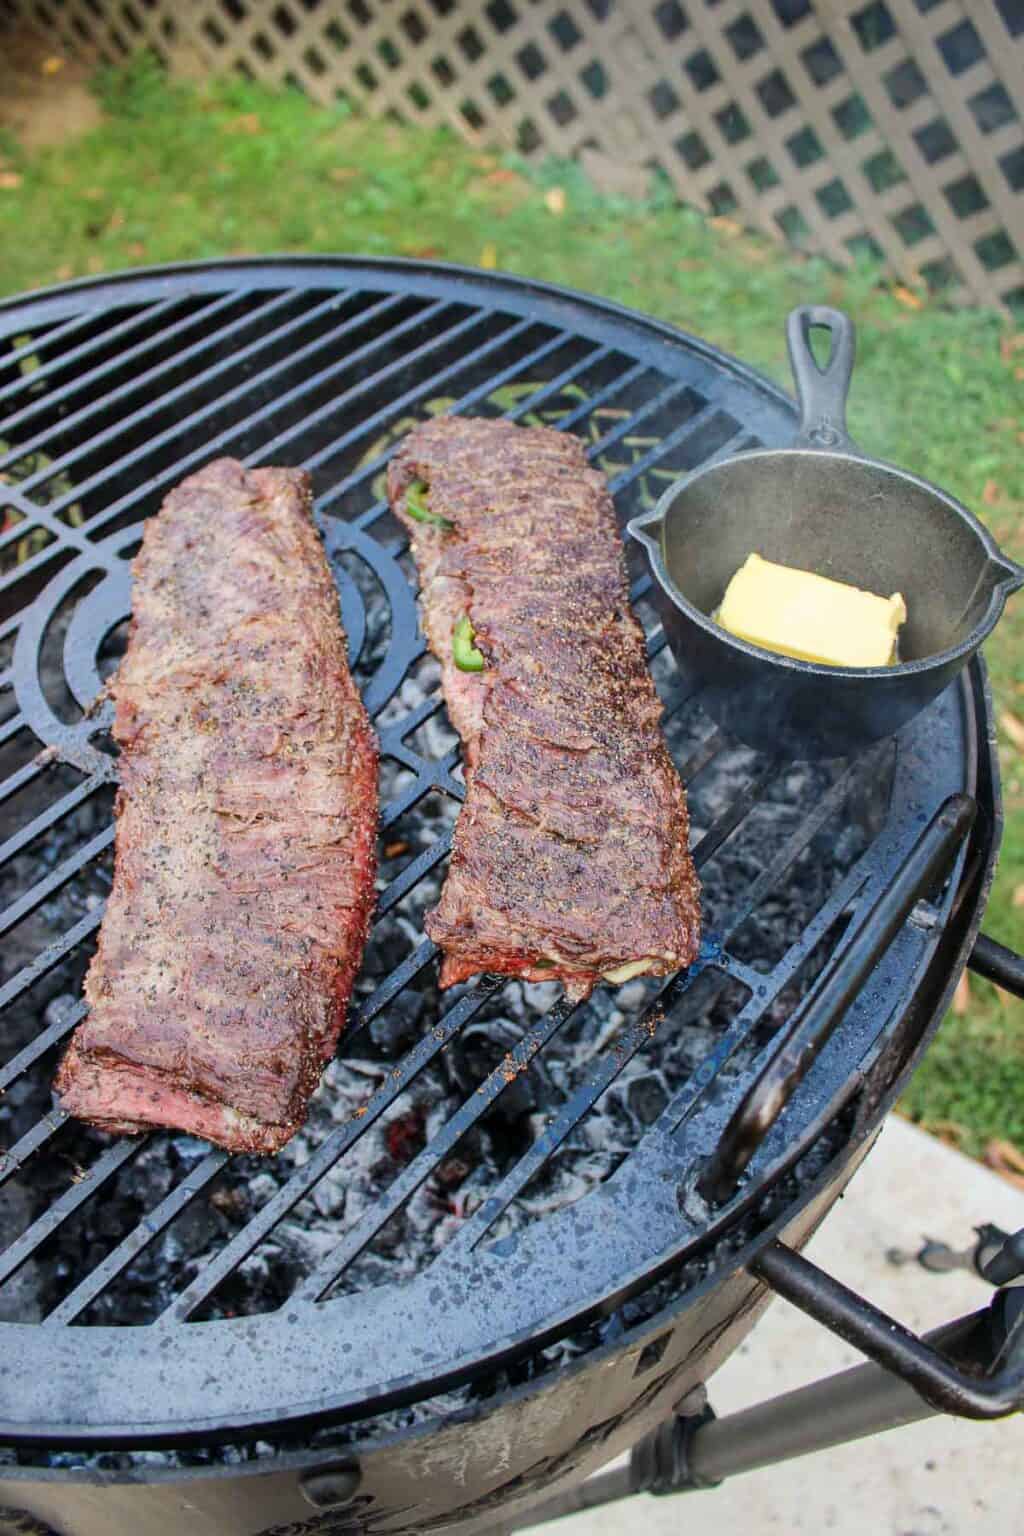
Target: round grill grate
{"type": "Point", "coordinates": [483, 1172]}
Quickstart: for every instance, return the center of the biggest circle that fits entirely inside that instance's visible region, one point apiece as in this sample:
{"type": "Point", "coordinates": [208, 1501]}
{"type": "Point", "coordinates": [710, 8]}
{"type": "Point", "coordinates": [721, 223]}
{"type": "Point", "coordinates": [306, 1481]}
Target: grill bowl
{"type": "Point", "coordinates": [555, 1320]}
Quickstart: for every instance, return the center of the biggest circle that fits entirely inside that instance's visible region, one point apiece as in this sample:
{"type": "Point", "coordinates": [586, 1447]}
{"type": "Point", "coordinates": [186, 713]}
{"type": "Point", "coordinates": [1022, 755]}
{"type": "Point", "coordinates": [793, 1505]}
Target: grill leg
{"type": "Point", "coordinates": [688, 1453]}
{"type": "Point", "coordinates": [863, 1401]}
{"type": "Point", "coordinates": [695, 1450]}
{"type": "Point", "coordinates": [603, 1488]}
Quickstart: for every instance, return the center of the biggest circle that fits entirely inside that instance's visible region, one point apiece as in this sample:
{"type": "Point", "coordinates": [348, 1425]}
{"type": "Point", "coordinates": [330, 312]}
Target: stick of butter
{"type": "Point", "coordinates": [811, 617]}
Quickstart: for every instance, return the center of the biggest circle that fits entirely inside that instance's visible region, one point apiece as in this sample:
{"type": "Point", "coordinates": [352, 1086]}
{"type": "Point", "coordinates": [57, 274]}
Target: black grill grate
{"type": "Point", "coordinates": [451, 1185]}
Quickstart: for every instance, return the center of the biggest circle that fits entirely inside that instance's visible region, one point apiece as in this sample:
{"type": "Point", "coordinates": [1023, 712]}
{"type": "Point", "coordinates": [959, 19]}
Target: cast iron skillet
{"type": "Point", "coordinates": [822, 506]}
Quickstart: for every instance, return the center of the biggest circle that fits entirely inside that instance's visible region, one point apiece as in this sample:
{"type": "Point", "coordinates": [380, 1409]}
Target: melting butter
{"type": "Point", "coordinates": [626, 972]}
{"type": "Point", "coordinates": [811, 617]}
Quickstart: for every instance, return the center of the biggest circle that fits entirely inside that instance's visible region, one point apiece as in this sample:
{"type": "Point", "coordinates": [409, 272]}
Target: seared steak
{"type": "Point", "coordinates": [246, 826]}
{"type": "Point", "coordinates": [570, 856]}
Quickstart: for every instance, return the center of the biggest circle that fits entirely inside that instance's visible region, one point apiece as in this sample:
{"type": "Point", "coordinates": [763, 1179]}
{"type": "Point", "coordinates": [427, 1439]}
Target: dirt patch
{"type": "Point", "coordinates": [44, 94]}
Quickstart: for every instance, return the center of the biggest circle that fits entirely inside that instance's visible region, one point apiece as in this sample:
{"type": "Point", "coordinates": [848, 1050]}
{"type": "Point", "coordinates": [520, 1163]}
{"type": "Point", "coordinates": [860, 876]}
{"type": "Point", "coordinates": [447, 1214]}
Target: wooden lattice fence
{"type": "Point", "coordinates": [888, 126]}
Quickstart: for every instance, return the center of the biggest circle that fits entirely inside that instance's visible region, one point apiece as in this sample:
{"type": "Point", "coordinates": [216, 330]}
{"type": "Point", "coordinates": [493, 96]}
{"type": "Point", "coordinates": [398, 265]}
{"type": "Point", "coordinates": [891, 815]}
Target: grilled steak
{"type": "Point", "coordinates": [246, 826]}
{"type": "Point", "coordinates": [570, 856]}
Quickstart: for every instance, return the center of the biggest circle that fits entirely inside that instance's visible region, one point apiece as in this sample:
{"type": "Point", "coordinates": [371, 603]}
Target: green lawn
{"type": "Point", "coordinates": [178, 173]}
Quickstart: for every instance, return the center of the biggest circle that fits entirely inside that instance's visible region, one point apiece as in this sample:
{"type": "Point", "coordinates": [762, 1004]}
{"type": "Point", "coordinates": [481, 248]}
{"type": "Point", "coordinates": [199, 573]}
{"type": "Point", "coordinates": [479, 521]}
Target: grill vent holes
{"type": "Point", "coordinates": [651, 1354]}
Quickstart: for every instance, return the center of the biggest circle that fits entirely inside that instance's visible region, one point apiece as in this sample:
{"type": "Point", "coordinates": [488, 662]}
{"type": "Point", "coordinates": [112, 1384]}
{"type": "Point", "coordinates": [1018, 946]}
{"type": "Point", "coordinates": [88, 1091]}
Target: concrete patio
{"type": "Point", "coordinates": [942, 1477]}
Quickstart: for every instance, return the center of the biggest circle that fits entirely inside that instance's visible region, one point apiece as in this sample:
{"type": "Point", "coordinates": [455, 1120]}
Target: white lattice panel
{"type": "Point", "coordinates": [888, 126]}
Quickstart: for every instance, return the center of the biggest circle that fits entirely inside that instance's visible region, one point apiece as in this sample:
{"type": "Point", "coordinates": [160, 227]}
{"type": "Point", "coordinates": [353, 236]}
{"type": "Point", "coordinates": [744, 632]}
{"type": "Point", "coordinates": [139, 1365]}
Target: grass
{"type": "Point", "coordinates": [177, 173]}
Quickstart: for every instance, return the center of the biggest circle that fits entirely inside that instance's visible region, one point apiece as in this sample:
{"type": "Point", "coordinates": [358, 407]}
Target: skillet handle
{"type": "Point", "coordinates": [822, 392]}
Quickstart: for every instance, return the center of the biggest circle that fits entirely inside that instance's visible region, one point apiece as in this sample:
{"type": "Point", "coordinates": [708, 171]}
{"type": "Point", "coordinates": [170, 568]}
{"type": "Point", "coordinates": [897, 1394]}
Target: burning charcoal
{"type": "Point", "coordinates": [631, 996]}
{"type": "Point", "coordinates": [233, 1202]}
{"type": "Point", "coordinates": [58, 1009]}
{"type": "Point", "coordinates": [479, 1049]}
{"type": "Point", "coordinates": [385, 948]}
{"type": "Point", "coordinates": [18, 1298]}
{"type": "Point", "coordinates": [308, 1244]}
{"type": "Point", "coordinates": [398, 1022]}
{"type": "Point", "coordinates": [188, 1150]}
{"type": "Point", "coordinates": [262, 1188]}
{"type": "Point", "coordinates": [646, 1097]}
{"type": "Point", "coordinates": [329, 1195]}
{"type": "Point", "coordinates": [191, 1232]}
{"type": "Point", "coordinates": [519, 1098]}
{"type": "Point", "coordinates": [404, 1136]}
{"type": "Point", "coordinates": [108, 1219]}
{"type": "Point", "coordinates": [22, 1092]}
{"type": "Point", "coordinates": [451, 1173]}
{"type": "Point", "coordinates": [536, 995]}
{"type": "Point", "coordinates": [151, 1177]}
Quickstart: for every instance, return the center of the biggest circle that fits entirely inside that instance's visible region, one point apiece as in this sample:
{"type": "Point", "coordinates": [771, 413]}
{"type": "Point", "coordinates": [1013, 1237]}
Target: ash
{"type": "Point", "coordinates": [367, 1056]}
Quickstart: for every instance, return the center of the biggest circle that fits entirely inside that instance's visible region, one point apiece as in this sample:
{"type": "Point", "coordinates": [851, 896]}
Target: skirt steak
{"type": "Point", "coordinates": [570, 858]}
{"type": "Point", "coordinates": [246, 826]}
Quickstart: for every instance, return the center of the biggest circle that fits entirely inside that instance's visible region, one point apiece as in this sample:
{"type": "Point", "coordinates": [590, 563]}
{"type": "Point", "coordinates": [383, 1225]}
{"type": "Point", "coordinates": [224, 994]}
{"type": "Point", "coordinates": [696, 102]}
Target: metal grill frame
{"type": "Point", "coordinates": [479, 1305]}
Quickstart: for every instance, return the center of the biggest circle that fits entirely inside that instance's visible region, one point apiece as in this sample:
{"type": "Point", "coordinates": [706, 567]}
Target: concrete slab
{"type": "Point", "coordinates": [942, 1477]}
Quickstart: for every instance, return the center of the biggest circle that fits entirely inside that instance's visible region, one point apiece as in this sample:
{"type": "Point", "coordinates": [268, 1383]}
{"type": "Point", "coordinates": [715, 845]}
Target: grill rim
{"type": "Point", "coordinates": [527, 293]}
{"type": "Point", "coordinates": [518, 294]}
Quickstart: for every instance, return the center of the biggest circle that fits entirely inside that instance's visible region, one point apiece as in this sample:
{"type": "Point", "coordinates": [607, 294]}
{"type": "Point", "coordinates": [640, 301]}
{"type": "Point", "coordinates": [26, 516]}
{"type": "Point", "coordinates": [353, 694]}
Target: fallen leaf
{"type": "Point", "coordinates": [486, 163]}
{"type": "Point", "coordinates": [962, 996]}
{"type": "Point", "coordinates": [53, 65]}
{"type": "Point", "coordinates": [1009, 1152]}
{"type": "Point", "coordinates": [1018, 896]}
{"type": "Point", "coordinates": [759, 253]}
{"type": "Point", "coordinates": [554, 200]}
{"type": "Point", "coordinates": [726, 226]}
{"type": "Point", "coordinates": [339, 174]}
{"type": "Point", "coordinates": [501, 177]}
{"type": "Point", "coordinates": [392, 850]}
{"type": "Point", "coordinates": [907, 297]}
{"type": "Point", "coordinates": [1018, 373]}
{"type": "Point", "coordinates": [991, 494]}
{"type": "Point", "coordinates": [424, 252]}
{"type": "Point", "coordinates": [136, 250]}
{"type": "Point", "coordinates": [64, 273]}
{"type": "Point", "coordinates": [116, 221]}
{"type": "Point", "coordinates": [94, 264]}
{"type": "Point", "coordinates": [9, 181]}
{"type": "Point", "coordinates": [1007, 1160]}
{"type": "Point", "coordinates": [248, 123]}
{"type": "Point", "coordinates": [489, 257]}
{"type": "Point", "coordinates": [1013, 727]}
{"type": "Point", "coordinates": [93, 193]}
{"type": "Point", "coordinates": [1008, 345]}
{"type": "Point", "coordinates": [950, 1131]}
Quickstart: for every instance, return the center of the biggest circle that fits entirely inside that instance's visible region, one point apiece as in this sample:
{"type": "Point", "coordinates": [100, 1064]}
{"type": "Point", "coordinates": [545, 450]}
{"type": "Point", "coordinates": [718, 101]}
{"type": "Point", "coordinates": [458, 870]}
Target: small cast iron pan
{"type": "Point", "coordinates": [822, 506]}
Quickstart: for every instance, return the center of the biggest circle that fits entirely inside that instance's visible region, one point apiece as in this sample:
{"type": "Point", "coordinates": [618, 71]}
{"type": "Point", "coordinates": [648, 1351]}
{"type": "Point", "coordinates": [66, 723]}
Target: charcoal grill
{"type": "Point", "coordinates": [515, 1237]}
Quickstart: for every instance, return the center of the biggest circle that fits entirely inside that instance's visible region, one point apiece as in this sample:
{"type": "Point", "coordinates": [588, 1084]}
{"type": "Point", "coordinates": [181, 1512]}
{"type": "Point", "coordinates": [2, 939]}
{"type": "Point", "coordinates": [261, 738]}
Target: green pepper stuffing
{"type": "Point", "coordinates": [416, 506]}
{"type": "Point", "coordinates": [464, 653]}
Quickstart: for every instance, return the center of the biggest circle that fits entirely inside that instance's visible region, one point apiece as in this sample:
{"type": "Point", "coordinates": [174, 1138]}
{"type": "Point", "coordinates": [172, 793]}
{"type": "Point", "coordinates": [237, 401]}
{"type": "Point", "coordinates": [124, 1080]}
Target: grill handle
{"type": "Point", "coordinates": [990, 1383]}
{"type": "Point", "coordinates": [997, 963]}
{"type": "Point", "coordinates": [828, 1000]}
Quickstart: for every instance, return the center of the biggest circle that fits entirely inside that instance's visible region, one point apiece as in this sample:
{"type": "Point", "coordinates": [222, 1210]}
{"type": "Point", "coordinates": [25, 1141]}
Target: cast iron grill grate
{"type": "Point", "coordinates": [491, 1163]}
